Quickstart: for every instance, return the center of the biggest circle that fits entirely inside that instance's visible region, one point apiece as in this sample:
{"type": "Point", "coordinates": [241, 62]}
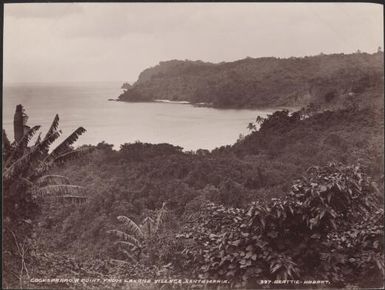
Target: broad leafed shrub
{"type": "Point", "coordinates": [328, 227]}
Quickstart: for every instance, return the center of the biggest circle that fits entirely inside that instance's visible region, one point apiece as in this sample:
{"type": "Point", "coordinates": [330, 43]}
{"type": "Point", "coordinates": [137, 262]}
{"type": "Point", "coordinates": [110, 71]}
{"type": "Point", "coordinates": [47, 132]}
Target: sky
{"type": "Point", "coordinates": [55, 42]}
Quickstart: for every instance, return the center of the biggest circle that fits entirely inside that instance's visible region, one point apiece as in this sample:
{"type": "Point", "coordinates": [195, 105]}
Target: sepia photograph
{"type": "Point", "coordinates": [193, 145]}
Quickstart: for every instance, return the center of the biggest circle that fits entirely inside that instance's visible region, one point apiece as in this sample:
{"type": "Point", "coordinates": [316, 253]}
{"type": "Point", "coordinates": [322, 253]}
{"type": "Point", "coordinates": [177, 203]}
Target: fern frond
{"type": "Point", "coordinates": [52, 180]}
{"type": "Point", "coordinates": [60, 190]}
{"type": "Point", "coordinates": [65, 145]}
{"type": "Point", "coordinates": [131, 226]}
{"type": "Point", "coordinates": [125, 237]}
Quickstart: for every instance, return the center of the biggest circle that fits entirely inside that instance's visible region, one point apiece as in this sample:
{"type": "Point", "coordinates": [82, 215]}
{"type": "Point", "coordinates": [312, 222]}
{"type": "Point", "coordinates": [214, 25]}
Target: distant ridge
{"type": "Point", "coordinates": [328, 80]}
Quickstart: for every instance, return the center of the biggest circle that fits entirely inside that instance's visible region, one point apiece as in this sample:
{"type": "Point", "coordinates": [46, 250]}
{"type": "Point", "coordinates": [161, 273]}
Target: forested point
{"type": "Point", "coordinates": [326, 79]}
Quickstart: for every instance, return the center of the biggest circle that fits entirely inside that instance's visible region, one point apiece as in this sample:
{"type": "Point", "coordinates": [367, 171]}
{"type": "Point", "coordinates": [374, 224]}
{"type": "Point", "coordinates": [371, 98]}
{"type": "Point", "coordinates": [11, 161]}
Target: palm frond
{"type": "Point", "coordinates": [38, 140]}
{"type": "Point", "coordinates": [119, 262]}
{"type": "Point", "coordinates": [54, 126]}
{"type": "Point", "coordinates": [60, 190]}
{"type": "Point", "coordinates": [125, 237]}
{"type": "Point", "coordinates": [28, 136]}
{"type": "Point", "coordinates": [42, 149]}
{"type": "Point", "coordinates": [160, 217]}
{"type": "Point", "coordinates": [27, 182]}
{"type": "Point", "coordinates": [6, 143]}
{"type": "Point", "coordinates": [21, 145]}
{"type": "Point", "coordinates": [75, 154]}
{"type": "Point", "coordinates": [72, 198]}
{"type": "Point", "coordinates": [52, 180]}
{"type": "Point", "coordinates": [19, 121]}
{"type": "Point", "coordinates": [129, 255]}
{"type": "Point", "coordinates": [129, 245]}
{"type": "Point", "coordinates": [19, 167]}
{"type": "Point", "coordinates": [148, 226]}
{"type": "Point", "coordinates": [25, 119]}
{"type": "Point", "coordinates": [43, 146]}
{"type": "Point", "coordinates": [131, 226]}
{"type": "Point", "coordinates": [40, 169]}
{"type": "Point", "coordinates": [65, 145]}
{"type": "Point", "coordinates": [26, 129]}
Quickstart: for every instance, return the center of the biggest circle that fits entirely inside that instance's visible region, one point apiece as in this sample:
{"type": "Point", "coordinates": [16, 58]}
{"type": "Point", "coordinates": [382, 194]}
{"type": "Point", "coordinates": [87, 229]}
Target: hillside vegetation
{"type": "Point", "coordinates": [299, 198]}
{"type": "Point", "coordinates": [136, 180]}
{"type": "Point", "coordinates": [329, 80]}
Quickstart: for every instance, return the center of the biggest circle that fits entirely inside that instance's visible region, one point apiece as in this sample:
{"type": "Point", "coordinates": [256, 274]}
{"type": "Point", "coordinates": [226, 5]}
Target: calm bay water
{"type": "Point", "coordinates": [87, 105]}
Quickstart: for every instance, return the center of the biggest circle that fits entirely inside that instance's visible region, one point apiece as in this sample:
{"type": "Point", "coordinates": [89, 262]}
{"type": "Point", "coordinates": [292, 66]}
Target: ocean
{"type": "Point", "coordinates": [87, 105]}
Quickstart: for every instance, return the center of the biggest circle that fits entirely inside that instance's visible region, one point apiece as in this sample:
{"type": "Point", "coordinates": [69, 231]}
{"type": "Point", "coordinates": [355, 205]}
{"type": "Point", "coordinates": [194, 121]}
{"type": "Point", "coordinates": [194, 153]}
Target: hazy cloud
{"type": "Point", "coordinates": [41, 10]}
{"type": "Point", "coordinates": [116, 41]}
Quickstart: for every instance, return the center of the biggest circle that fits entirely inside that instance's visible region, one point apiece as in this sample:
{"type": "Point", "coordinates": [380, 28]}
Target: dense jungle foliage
{"type": "Point", "coordinates": [263, 82]}
{"type": "Point", "coordinates": [271, 206]}
{"type": "Point", "coordinates": [329, 226]}
{"type": "Point", "coordinates": [299, 198]}
{"type": "Point", "coordinates": [26, 185]}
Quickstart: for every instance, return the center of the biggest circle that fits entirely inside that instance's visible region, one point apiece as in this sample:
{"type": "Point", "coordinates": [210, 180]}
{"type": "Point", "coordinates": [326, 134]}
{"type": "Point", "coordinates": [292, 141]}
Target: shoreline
{"type": "Point", "coordinates": [210, 105]}
{"type": "Point", "coordinates": [171, 102]}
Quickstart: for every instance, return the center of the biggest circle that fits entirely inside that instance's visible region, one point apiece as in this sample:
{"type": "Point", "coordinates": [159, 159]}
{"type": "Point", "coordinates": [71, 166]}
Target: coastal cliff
{"type": "Point", "coordinates": [263, 82]}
